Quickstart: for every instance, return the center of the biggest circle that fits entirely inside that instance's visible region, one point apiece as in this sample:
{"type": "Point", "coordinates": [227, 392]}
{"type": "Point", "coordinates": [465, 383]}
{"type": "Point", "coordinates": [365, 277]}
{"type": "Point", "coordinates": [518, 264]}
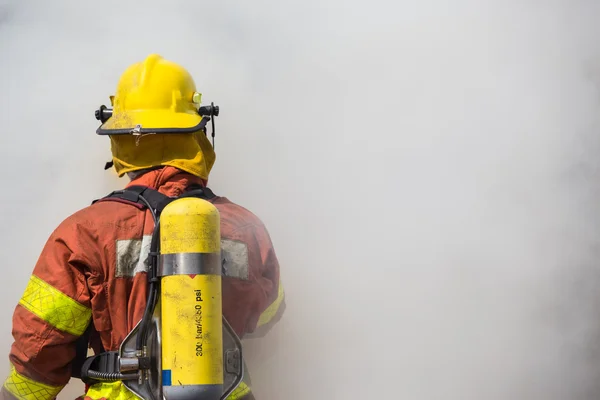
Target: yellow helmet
{"type": "Point", "coordinates": [153, 96]}
{"type": "Point", "coordinates": [156, 119]}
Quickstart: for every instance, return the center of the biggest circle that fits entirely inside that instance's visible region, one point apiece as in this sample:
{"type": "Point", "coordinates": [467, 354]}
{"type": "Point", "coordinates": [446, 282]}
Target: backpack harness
{"type": "Point", "coordinates": [104, 366]}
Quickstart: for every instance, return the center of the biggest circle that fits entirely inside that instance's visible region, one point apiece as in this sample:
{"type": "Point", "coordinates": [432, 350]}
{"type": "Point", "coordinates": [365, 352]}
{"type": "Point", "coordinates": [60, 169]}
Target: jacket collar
{"type": "Point", "coordinates": [168, 180]}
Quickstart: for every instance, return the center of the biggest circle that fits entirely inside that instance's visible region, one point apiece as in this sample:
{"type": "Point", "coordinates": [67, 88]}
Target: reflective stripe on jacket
{"type": "Point", "coordinates": [117, 391]}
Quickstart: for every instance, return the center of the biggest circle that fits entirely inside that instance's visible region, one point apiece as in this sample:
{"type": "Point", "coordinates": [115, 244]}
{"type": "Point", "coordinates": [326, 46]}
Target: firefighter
{"type": "Point", "coordinates": [91, 271]}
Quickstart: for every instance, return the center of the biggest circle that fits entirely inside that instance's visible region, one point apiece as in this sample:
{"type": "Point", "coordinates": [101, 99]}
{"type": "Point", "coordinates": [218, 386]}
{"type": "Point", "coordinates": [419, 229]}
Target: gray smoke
{"type": "Point", "coordinates": [427, 171]}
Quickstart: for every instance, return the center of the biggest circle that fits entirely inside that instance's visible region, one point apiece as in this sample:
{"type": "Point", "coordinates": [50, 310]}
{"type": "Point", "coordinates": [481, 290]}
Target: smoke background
{"type": "Point", "coordinates": [427, 171]}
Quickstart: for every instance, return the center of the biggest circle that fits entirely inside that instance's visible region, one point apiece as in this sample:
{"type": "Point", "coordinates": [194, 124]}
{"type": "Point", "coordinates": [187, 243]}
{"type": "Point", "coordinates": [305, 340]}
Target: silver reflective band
{"type": "Point", "coordinates": [189, 264]}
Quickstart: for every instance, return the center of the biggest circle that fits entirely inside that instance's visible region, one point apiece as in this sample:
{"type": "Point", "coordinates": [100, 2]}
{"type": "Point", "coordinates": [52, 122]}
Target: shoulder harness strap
{"type": "Point", "coordinates": [143, 197]}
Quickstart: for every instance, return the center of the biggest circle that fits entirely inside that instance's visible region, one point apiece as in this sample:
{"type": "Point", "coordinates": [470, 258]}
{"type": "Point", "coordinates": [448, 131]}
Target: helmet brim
{"type": "Point", "coordinates": [152, 121]}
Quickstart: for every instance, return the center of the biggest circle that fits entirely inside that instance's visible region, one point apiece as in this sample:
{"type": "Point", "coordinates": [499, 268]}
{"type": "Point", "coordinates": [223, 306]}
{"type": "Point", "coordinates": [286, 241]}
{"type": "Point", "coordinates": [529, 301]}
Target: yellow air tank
{"type": "Point", "coordinates": [190, 295]}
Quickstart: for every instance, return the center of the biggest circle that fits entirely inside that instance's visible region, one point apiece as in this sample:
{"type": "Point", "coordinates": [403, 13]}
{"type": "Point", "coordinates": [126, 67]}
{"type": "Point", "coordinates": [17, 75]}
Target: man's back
{"type": "Point", "coordinates": [93, 267]}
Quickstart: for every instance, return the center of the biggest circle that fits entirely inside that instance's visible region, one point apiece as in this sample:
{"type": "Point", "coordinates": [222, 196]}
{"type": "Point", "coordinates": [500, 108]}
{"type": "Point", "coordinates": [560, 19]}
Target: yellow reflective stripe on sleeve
{"type": "Point", "coordinates": [118, 391]}
{"type": "Point", "coordinates": [55, 307]}
{"type": "Point", "coordinates": [110, 391]}
{"type": "Point", "coordinates": [271, 311]}
{"type": "Point", "coordinates": [239, 392]}
{"type": "Point", "coordinates": [24, 388]}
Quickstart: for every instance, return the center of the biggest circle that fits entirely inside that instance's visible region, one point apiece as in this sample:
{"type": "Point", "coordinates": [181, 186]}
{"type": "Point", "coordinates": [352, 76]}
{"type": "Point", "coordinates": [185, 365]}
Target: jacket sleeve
{"type": "Point", "coordinates": [52, 314]}
{"type": "Point", "coordinates": [253, 293]}
{"type": "Point", "coordinates": [273, 308]}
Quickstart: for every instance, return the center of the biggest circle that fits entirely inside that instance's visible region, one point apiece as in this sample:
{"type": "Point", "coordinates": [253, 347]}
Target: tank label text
{"type": "Point", "coordinates": [198, 321]}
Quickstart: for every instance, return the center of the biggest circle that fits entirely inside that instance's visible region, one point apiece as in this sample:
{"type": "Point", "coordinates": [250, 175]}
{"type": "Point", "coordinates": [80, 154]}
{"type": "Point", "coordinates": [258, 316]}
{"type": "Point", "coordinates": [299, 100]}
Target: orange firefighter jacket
{"type": "Point", "coordinates": [92, 270]}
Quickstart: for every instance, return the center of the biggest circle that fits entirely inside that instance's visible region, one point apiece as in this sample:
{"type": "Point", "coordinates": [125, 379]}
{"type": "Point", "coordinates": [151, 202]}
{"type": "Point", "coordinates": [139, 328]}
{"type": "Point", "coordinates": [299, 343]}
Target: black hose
{"type": "Point", "coordinates": [110, 376]}
{"type": "Point", "coordinates": [142, 333]}
{"type": "Point", "coordinates": [152, 289]}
